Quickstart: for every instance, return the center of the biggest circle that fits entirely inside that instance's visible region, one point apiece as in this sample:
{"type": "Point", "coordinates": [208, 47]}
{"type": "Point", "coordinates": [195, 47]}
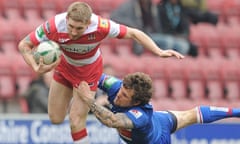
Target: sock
{"type": "Point", "coordinates": [80, 137]}
{"type": "Point", "coordinates": [208, 114]}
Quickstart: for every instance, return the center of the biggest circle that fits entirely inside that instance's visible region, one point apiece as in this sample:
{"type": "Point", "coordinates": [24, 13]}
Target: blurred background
{"type": "Point", "coordinates": [209, 75]}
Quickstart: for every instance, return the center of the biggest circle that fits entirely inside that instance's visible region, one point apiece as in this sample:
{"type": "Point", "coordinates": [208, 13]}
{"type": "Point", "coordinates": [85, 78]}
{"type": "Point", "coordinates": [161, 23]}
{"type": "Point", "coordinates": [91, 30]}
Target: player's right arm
{"type": "Point", "coordinates": [26, 46]}
{"type": "Point", "coordinates": [26, 49]}
{"type": "Point", "coordinates": [108, 118]}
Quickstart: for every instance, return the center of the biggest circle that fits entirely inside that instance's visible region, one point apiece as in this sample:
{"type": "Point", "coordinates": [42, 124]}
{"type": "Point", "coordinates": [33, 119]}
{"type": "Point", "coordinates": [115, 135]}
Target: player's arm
{"type": "Point", "coordinates": [25, 47]}
{"type": "Point", "coordinates": [108, 118]}
{"type": "Point", "coordinates": [148, 43]}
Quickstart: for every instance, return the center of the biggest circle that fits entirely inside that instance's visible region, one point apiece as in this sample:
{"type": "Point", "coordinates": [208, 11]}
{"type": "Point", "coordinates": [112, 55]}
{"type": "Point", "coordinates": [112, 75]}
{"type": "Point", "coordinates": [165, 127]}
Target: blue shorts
{"type": "Point", "coordinates": [167, 123]}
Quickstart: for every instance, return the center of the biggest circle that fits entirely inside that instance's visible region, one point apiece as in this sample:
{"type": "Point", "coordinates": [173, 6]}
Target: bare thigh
{"type": "Point", "coordinates": [78, 112]}
{"type": "Point", "coordinates": [185, 118]}
{"type": "Point", "coordinates": [58, 101]}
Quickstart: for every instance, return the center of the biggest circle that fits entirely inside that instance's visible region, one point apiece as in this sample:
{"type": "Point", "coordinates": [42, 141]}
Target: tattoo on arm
{"type": "Point", "coordinates": [119, 120]}
{"type": "Point", "coordinates": [27, 42]}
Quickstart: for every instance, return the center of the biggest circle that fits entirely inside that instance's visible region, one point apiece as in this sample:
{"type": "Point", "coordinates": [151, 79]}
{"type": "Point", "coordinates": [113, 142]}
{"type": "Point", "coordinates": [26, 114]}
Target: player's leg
{"type": "Point", "coordinates": [78, 117]}
{"type": "Point", "coordinates": [204, 114]}
{"type": "Point", "coordinates": [58, 101]}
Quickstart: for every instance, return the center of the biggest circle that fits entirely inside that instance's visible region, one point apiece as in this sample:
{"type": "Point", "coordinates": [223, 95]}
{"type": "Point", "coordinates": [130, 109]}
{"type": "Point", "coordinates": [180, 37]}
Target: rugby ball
{"type": "Point", "coordinates": [49, 50]}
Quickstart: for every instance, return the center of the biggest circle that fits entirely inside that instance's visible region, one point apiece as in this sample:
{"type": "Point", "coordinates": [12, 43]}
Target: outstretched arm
{"type": "Point", "coordinates": [108, 118]}
{"type": "Point", "coordinates": [149, 44]}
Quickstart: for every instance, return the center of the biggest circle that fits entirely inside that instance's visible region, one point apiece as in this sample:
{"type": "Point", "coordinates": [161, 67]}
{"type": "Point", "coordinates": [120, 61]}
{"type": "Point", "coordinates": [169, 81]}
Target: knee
{"type": "Point", "coordinates": [55, 119]}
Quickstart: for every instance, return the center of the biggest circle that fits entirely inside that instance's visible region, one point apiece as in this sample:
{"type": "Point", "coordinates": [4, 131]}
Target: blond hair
{"type": "Point", "coordinates": [79, 11]}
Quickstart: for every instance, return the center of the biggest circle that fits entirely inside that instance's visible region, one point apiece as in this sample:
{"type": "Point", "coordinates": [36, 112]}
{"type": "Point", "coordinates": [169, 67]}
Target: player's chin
{"type": "Point", "coordinates": [116, 102]}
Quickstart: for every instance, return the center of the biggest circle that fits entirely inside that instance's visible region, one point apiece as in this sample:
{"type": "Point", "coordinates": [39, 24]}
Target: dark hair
{"type": "Point", "coordinates": [141, 84]}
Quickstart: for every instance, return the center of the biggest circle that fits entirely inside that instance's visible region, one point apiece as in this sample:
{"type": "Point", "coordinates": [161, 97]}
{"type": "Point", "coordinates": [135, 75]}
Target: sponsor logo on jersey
{"type": "Point", "coordinates": [136, 113]}
{"type": "Point", "coordinates": [63, 40]}
{"type": "Point", "coordinates": [40, 32]}
{"type": "Point", "coordinates": [109, 81]}
{"type": "Point", "coordinates": [78, 48]}
{"type": "Point", "coordinates": [103, 23]}
{"type": "Point", "coordinates": [91, 37]}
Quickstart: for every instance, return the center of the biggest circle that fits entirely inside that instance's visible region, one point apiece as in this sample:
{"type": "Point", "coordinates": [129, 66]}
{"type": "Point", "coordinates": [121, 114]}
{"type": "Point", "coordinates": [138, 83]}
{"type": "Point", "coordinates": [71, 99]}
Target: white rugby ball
{"type": "Point", "coordinates": [49, 50]}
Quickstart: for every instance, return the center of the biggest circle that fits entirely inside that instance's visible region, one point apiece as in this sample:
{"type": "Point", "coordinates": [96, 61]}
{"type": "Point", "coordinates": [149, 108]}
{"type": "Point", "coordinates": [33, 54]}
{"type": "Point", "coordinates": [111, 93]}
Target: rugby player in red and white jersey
{"type": "Point", "coordinates": [79, 33]}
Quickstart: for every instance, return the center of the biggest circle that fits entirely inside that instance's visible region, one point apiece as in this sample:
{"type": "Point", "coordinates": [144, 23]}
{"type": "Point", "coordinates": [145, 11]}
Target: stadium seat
{"type": "Point", "coordinates": [195, 79]}
{"type": "Point", "coordinates": [122, 47]}
{"type": "Point", "coordinates": [216, 6]}
{"type": "Point", "coordinates": [231, 9]}
{"type": "Point", "coordinates": [22, 28]}
{"type": "Point", "coordinates": [9, 46]}
{"type": "Point", "coordinates": [230, 43]}
{"type": "Point", "coordinates": [177, 78]}
{"type": "Point", "coordinates": [212, 42]}
{"type": "Point", "coordinates": [7, 31]}
{"type": "Point", "coordinates": [212, 78]}
{"type": "Point", "coordinates": [12, 9]}
{"type": "Point", "coordinates": [31, 9]}
{"type": "Point", "coordinates": [7, 81]}
{"type": "Point", "coordinates": [23, 74]}
{"type": "Point", "coordinates": [156, 68]}
{"type": "Point", "coordinates": [196, 36]}
{"type": "Point", "coordinates": [48, 8]}
{"type": "Point", "coordinates": [164, 104]}
{"type": "Point", "coordinates": [230, 73]}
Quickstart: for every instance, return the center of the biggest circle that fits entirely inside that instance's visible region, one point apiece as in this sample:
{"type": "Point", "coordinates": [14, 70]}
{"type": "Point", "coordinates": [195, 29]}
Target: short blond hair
{"type": "Point", "coordinates": [79, 11]}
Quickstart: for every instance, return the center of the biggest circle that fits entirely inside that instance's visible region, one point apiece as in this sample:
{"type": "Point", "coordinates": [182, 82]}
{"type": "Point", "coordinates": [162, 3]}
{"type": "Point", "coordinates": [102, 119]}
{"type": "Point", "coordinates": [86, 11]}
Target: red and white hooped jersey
{"type": "Point", "coordinates": [84, 50]}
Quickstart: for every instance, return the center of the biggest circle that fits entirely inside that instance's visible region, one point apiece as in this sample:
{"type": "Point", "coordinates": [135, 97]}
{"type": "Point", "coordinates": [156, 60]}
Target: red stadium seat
{"type": "Point", "coordinates": [195, 79]}
{"type": "Point", "coordinates": [7, 31]}
{"type": "Point", "coordinates": [48, 8]}
{"type": "Point", "coordinates": [31, 9]}
{"type": "Point", "coordinates": [7, 81]}
{"type": "Point", "coordinates": [22, 72]}
{"type": "Point", "coordinates": [230, 72]}
{"type": "Point", "coordinates": [230, 43]}
{"type": "Point", "coordinates": [212, 42]}
{"type": "Point", "coordinates": [164, 104]}
{"type": "Point", "coordinates": [9, 46]}
{"type": "Point", "coordinates": [156, 68]}
{"type": "Point", "coordinates": [216, 6]}
{"type": "Point", "coordinates": [212, 77]}
{"type": "Point", "coordinates": [177, 78]}
{"type": "Point", "coordinates": [12, 9]}
{"type": "Point", "coordinates": [196, 36]}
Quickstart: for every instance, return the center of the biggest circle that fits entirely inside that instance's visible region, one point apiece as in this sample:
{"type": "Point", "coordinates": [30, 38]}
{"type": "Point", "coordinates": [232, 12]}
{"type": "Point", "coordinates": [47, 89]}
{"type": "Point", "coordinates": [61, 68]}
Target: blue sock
{"type": "Point", "coordinates": [208, 114]}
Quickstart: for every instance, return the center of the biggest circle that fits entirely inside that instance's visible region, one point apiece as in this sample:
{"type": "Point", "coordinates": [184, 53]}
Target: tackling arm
{"type": "Point", "coordinates": [118, 120]}
{"type": "Point", "coordinates": [108, 118]}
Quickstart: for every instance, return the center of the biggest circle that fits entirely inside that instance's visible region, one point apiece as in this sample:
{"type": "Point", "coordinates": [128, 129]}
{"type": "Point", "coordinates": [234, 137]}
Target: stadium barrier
{"type": "Point", "coordinates": [32, 129]}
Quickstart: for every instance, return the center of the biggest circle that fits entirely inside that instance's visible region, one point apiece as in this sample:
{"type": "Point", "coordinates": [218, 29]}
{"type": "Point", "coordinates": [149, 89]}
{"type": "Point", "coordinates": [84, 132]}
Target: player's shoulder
{"type": "Point", "coordinates": [60, 22]}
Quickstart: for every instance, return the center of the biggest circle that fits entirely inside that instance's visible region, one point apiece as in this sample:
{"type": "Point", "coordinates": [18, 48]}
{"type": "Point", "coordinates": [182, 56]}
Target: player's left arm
{"type": "Point", "coordinates": [108, 118]}
{"type": "Point", "coordinates": [143, 39]}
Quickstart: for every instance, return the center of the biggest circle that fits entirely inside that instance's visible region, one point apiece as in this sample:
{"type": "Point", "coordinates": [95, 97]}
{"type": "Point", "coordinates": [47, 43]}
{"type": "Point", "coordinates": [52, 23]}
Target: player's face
{"type": "Point", "coordinates": [75, 28]}
{"type": "Point", "coordinates": [124, 97]}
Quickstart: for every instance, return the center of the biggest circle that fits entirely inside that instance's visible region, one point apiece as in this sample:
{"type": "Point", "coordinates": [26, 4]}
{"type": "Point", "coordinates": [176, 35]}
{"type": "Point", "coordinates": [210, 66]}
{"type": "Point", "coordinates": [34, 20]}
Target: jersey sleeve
{"type": "Point", "coordinates": [45, 31]}
{"type": "Point", "coordinates": [109, 84]}
{"type": "Point", "coordinates": [138, 117]}
{"type": "Point", "coordinates": [117, 30]}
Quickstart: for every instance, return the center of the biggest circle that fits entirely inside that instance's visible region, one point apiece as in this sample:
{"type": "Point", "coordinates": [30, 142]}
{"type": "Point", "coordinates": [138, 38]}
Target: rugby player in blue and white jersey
{"type": "Point", "coordinates": [133, 116]}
